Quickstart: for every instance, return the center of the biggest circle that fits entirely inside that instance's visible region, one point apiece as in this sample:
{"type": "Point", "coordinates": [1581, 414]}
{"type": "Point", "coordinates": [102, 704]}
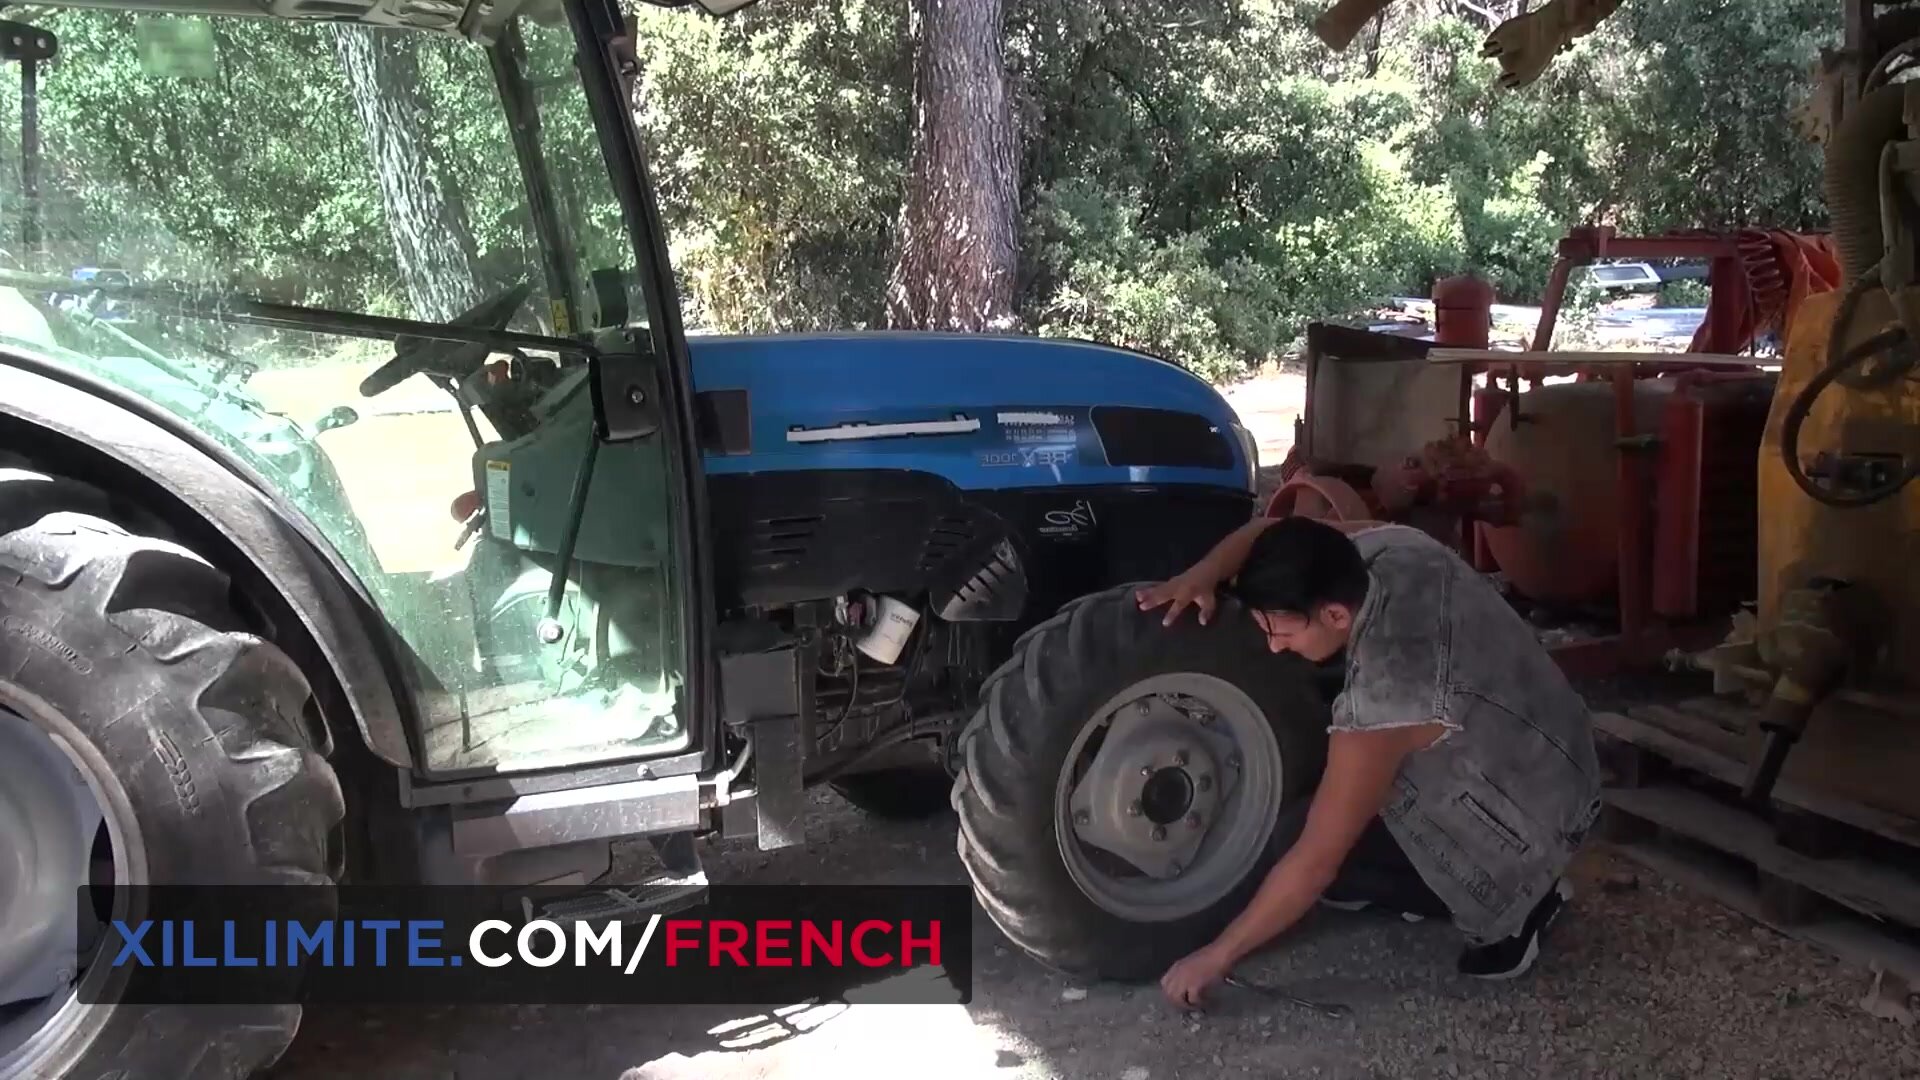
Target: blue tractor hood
{"type": "Point", "coordinates": [985, 411]}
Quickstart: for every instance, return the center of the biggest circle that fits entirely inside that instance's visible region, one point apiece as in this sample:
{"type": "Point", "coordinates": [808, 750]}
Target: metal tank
{"type": "Point", "coordinates": [1565, 550]}
{"type": "Point", "coordinates": [1690, 508]}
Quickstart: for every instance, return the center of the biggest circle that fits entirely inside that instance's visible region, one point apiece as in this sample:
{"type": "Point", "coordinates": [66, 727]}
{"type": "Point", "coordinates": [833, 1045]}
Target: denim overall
{"type": "Point", "coordinates": [1492, 812]}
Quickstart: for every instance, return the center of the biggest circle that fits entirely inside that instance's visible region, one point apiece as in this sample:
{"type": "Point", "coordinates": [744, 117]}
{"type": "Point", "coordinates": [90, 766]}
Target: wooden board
{"type": "Point", "coordinates": [1706, 747]}
{"type": "Point", "coordinates": [1866, 886]}
{"type": "Point", "coordinates": [1570, 356]}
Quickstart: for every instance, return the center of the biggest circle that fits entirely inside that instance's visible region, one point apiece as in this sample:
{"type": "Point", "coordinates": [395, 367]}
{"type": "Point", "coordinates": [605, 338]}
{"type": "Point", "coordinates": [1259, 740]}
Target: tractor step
{"type": "Point", "coordinates": [657, 895]}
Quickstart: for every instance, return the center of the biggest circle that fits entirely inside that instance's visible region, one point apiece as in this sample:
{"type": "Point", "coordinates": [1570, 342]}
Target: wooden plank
{"type": "Point", "coordinates": [1550, 356]}
{"type": "Point", "coordinates": [1702, 731]}
{"type": "Point", "coordinates": [1865, 757]}
{"type": "Point", "coordinates": [1733, 717]}
{"type": "Point", "coordinates": [1689, 754]}
{"type": "Point", "coordinates": [1851, 939]}
{"type": "Point", "coordinates": [1868, 887]}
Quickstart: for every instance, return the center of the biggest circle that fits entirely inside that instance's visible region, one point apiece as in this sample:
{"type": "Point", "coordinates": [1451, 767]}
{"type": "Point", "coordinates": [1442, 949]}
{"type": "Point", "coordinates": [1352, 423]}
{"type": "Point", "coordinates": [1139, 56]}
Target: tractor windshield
{"type": "Point", "coordinates": [167, 177]}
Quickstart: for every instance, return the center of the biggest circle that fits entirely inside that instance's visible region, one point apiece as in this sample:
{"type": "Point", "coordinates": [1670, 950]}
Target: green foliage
{"type": "Point", "coordinates": [1683, 293]}
{"type": "Point", "coordinates": [1704, 138]}
{"type": "Point", "coordinates": [1198, 180]}
{"type": "Point", "coordinates": [1201, 180]}
{"type": "Point", "coordinates": [779, 139]}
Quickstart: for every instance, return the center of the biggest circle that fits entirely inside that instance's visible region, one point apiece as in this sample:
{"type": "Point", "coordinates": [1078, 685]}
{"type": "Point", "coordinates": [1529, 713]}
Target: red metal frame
{"type": "Point", "coordinates": [1659, 547]}
{"type": "Point", "coordinates": [1590, 243]}
{"type": "Point", "coordinates": [1658, 562]}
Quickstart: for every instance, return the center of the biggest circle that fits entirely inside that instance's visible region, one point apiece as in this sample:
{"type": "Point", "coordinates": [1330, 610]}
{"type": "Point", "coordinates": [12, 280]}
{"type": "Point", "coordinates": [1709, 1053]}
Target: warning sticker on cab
{"type": "Point", "coordinates": [499, 498]}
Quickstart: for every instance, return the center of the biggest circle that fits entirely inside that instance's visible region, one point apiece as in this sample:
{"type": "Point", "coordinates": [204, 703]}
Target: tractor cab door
{"type": "Point", "coordinates": [580, 629]}
{"type": "Point", "coordinates": [642, 380]}
{"type": "Point", "coordinates": [395, 267]}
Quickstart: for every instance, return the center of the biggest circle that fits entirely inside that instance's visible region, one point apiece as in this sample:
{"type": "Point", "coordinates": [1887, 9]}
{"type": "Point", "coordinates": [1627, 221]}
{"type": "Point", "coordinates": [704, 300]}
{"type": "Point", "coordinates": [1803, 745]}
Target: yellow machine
{"type": "Point", "coordinates": [1792, 791]}
{"type": "Point", "coordinates": [1835, 647]}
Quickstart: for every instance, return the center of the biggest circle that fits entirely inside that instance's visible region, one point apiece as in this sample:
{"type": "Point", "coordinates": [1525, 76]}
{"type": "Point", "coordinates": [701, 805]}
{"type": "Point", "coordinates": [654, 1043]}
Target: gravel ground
{"type": "Point", "coordinates": [1639, 980]}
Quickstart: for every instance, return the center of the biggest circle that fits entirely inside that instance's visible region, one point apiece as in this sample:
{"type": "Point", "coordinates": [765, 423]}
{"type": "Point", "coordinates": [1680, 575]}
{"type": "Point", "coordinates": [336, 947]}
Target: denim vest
{"type": "Point", "coordinates": [1490, 814]}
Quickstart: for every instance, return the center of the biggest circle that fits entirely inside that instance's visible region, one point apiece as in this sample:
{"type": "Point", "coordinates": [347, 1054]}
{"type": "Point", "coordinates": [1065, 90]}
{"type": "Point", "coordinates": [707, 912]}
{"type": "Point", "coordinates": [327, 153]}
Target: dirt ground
{"type": "Point", "coordinates": [1639, 981]}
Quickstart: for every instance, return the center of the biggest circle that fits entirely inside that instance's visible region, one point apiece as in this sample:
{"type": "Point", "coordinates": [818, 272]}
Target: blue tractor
{"type": "Point", "coordinates": [468, 597]}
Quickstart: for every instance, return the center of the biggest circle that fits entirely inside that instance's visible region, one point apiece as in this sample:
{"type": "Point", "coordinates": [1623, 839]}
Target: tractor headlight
{"type": "Point", "coordinates": [1251, 447]}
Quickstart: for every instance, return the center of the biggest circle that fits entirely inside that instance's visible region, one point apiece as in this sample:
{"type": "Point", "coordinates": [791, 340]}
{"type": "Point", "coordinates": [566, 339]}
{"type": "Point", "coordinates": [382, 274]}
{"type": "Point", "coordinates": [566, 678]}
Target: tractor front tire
{"type": "Point", "coordinates": [1022, 750]}
{"type": "Point", "coordinates": [123, 654]}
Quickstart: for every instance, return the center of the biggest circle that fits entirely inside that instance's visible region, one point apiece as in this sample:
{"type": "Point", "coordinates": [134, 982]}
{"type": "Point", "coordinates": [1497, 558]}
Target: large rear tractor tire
{"type": "Point", "coordinates": [145, 738]}
{"type": "Point", "coordinates": [1119, 786]}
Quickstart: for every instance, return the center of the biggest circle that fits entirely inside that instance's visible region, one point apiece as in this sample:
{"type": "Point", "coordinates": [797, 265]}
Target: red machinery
{"type": "Point", "coordinates": [1623, 490]}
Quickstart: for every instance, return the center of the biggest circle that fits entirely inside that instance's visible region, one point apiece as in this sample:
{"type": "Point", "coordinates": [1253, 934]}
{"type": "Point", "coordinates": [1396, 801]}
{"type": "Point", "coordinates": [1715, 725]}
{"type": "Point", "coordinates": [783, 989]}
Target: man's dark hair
{"type": "Point", "coordinates": [1297, 565]}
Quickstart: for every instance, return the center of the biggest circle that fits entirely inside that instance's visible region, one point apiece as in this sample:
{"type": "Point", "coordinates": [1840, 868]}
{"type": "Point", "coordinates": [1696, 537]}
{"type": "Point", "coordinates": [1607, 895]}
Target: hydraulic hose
{"type": "Point", "coordinates": [1852, 177]}
{"type": "Point", "coordinates": [1802, 405]}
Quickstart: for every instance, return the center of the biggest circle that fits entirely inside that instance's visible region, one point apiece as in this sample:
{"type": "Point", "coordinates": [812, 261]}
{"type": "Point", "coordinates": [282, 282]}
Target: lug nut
{"type": "Point", "coordinates": [1179, 757]}
{"type": "Point", "coordinates": [1233, 761]}
{"type": "Point", "coordinates": [1159, 832]}
{"type": "Point", "coordinates": [1193, 821]}
{"type": "Point", "coordinates": [1142, 708]}
{"type": "Point", "coordinates": [1175, 867]}
{"type": "Point", "coordinates": [1146, 770]}
{"type": "Point", "coordinates": [1081, 817]}
{"type": "Point", "coordinates": [1133, 808]}
{"type": "Point", "coordinates": [1205, 782]}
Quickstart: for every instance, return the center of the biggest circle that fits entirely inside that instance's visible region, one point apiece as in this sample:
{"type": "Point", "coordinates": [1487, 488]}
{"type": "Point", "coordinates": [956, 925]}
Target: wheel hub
{"type": "Point", "coordinates": [52, 819]}
{"type": "Point", "coordinates": [1167, 796]}
{"type": "Point", "coordinates": [49, 816]}
{"type": "Point", "coordinates": [1142, 788]}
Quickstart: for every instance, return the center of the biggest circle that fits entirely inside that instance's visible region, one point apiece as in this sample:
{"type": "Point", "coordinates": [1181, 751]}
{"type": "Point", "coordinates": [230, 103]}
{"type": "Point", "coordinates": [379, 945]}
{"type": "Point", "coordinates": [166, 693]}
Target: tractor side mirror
{"type": "Point", "coordinates": [626, 387]}
{"type": "Point", "coordinates": [337, 417]}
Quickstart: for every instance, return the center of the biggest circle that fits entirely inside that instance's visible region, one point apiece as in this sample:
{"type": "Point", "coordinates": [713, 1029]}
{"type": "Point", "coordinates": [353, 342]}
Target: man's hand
{"type": "Point", "coordinates": [1359, 775]}
{"type": "Point", "coordinates": [1195, 588]}
{"type": "Point", "coordinates": [1193, 975]}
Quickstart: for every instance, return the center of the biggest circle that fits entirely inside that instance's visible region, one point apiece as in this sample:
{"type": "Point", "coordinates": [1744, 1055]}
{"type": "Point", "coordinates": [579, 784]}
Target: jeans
{"type": "Point", "coordinates": [1377, 870]}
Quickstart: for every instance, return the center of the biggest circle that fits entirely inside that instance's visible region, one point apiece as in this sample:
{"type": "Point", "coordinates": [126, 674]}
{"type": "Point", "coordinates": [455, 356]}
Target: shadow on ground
{"type": "Point", "coordinates": [1639, 981]}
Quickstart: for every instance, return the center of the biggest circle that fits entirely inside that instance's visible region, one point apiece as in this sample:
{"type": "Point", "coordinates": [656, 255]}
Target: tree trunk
{"type": "Point", "coordinates": [956, 251]}
{"type": "Point", "coordinates": [432, 240]}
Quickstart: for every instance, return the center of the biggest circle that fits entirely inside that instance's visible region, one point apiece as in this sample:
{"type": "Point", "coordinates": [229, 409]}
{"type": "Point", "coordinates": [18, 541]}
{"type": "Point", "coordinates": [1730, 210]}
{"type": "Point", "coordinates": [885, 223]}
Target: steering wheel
{"type": "Point", "coordinates": [448, 359]}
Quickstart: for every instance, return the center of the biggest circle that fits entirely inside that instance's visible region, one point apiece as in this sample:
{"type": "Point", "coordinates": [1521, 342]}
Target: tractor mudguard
{"type": "Point", "coordinates": [95, 428]}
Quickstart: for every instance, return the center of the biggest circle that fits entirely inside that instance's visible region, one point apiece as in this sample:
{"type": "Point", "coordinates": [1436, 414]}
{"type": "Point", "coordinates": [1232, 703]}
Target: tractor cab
{"type": "Point", "coordinates": [381, 261]}
{"type": "Point", "coordinates": [485, 567]}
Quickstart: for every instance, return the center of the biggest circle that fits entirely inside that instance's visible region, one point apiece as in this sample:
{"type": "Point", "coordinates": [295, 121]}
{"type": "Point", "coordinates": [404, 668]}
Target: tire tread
{"type": "Point", "coordinates": [1003, 796]}
{"type": "Point", "coordinates": [163, 610]}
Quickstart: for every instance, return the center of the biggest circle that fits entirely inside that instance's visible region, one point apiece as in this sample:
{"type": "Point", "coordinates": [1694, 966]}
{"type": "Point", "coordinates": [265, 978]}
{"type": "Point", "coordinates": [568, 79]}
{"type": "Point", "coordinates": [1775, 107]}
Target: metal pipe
{"type": "Point", "coordinates": [1550, 304]}
{"type": "Point", "coordinates": [1631, 526]}
{"type": "Point", "coordinates": [30, 161]}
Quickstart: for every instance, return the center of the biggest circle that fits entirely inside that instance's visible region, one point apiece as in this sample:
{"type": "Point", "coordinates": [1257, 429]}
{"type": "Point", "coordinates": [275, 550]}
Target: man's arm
{"type": "Point", "coordinates": [1230, 554]}
{"type": "Point", "coordinates": [1361, 766]}
{"type": "Point", "coordinates": [1196, 584]}
{"type": "Point", "coordinates": [1359, 775]}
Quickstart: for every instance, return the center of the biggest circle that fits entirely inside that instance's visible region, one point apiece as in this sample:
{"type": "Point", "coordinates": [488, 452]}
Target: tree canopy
{"type": "Point", "coordinates": [1196, 179]}
{"type": "Point", "coordinates": [1201, 179]}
